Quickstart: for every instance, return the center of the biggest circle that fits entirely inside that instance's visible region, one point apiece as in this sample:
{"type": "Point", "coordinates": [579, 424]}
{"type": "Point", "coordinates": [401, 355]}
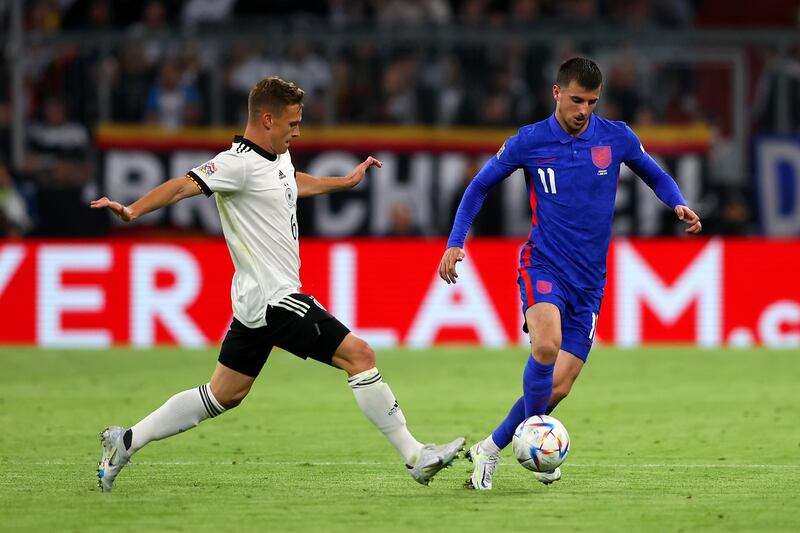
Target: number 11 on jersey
{"type": "Point", "coordinates": [550, 174]}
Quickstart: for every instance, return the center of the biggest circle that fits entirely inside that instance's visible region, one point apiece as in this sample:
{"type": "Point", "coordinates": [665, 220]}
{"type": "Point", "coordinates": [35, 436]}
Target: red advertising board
{"type": "Point", "coordinates": [144, 292]}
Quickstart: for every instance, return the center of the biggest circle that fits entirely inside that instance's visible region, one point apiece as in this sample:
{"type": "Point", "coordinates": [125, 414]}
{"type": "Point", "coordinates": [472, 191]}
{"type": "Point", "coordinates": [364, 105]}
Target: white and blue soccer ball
{"type": "Point", "coordinates": [541, 443]}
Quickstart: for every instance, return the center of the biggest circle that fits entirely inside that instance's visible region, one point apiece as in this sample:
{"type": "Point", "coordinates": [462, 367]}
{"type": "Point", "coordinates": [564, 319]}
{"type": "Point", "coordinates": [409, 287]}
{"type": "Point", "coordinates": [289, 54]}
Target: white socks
{"type": "Point", "coordinates": [489, 446]}
{"type": "Point", "coordinates": [187, 409]}
{"type": "Point", "coordinates": [377, 402]}
{"type": "Point", "coordinates": [183, 411]}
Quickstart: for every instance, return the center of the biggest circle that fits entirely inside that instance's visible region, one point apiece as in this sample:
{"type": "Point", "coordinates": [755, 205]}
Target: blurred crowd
{"type": "Point", "coordinates": [166, 72]}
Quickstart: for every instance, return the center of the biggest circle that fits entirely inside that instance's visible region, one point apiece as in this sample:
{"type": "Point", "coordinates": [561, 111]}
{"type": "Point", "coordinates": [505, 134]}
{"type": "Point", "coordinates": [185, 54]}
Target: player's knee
{"type": "Point", "coordinates": [363, 357]}
{"type": "Point", "coordinates": [358, 358]}
{"type": "Point", "coordinates": [546, 350]}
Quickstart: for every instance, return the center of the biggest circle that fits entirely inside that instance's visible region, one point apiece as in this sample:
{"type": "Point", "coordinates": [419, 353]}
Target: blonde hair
{"type": "Point", "coordinates": [272, 94]}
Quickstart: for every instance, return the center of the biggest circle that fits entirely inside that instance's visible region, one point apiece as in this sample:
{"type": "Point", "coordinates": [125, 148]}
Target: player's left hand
{"type": "Point", "coordinates": [358, 173]}
{"type": "Point", "coordinates": [689, 218]}
{"type": "Point", "coordinates": [124, 213]}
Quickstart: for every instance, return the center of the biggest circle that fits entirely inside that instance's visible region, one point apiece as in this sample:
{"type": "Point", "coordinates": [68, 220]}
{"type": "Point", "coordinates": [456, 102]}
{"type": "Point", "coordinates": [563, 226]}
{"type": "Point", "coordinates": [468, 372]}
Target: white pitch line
{"type": "Point", "coordinates": [377, 463]}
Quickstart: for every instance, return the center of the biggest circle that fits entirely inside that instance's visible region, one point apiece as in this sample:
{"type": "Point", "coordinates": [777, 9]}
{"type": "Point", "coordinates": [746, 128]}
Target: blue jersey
{"type": "Point", "coordinates": [572, 183]}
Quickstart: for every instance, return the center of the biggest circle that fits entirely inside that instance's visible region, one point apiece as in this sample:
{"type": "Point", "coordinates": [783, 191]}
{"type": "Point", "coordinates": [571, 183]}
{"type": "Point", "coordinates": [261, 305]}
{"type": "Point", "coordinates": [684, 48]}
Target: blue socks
{"type": "Point", "coordinates": [505, 431]}
{"type": "Point", "coordinates": [537, 386]}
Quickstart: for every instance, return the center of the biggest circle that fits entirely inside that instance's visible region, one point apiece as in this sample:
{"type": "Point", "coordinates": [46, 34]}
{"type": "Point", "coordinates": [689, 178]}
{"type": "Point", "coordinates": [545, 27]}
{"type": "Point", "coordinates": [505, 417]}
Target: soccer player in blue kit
{"type": "Point", "coordinates": [571, 163]}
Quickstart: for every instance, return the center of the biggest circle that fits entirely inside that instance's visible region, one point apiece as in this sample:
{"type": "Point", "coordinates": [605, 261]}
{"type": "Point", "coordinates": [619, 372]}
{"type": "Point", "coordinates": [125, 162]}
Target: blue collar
{"type": "Point", "coordinates": [564, 137]}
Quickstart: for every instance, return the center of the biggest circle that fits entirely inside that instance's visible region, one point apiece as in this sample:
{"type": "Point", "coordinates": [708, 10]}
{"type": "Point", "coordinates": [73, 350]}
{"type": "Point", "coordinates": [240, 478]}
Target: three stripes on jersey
{"type": "Point", "coordinates": [294, 305]}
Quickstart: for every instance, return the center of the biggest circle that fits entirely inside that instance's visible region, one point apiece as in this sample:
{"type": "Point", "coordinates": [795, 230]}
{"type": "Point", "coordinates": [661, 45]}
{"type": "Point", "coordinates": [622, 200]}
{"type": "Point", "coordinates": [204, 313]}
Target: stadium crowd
{"type": "Point", "coordinates": [152, 77]}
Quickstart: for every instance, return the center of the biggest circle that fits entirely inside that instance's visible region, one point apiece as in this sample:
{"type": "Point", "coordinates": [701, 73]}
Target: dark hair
{"type": "Point", "coordinates": [582, 70]}
{"type": "Point", "coordinates": [272, 94]}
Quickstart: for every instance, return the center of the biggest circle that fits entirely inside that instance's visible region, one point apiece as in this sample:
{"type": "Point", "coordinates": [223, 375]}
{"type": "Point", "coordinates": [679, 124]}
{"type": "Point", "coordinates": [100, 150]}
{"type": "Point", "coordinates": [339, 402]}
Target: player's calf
{"type": "Point", "coordinates": [559, 393]}
{"type": "Point", "coordinates": [568, 368]}
{"type": "Point", "coordinates": [232, 400]}
{"type": "Point", "coordinates": [379, 405]}
{"type": "Point", "coordinates": [229, 387]}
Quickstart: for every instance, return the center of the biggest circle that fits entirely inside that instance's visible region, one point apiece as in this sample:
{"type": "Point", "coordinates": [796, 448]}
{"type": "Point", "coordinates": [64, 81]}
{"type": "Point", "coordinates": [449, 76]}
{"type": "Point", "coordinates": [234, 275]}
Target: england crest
{"type": "Point", "coordinates": [601, 156]}
{"type": "Point", "coordinates": [543, 287]}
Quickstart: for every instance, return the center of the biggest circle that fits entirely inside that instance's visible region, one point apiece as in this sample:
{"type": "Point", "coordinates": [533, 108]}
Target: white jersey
{"type": "Point", "coordinates": [256, 194]}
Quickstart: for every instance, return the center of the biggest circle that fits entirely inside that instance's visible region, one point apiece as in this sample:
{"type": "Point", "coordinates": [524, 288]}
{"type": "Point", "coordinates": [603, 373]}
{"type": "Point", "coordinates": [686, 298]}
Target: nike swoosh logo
{"type": "Point", "coordinates": [112, 456]}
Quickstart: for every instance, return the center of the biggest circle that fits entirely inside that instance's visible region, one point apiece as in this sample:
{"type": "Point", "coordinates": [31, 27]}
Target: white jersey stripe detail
{"type": "Point", "coordinates": [292, 309]}
{"type": "Point", "coordinates": [294, 304]}
{"type": "Point", "coordinates": [289, 305]}
{"type": "Point", "coordinates": [290, 299]}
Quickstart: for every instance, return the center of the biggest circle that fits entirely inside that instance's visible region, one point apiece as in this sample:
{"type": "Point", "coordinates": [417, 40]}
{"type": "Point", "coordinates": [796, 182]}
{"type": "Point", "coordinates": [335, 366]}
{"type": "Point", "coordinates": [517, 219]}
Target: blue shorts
{"type": "Point", "coordinates": [539, 282]}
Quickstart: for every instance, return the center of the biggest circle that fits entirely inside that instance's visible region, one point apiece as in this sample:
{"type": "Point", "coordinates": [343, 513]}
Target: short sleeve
{"type": "Point", "coordinates": [635, 149]}
{"type": "Point", "coordinates": [224, 173]}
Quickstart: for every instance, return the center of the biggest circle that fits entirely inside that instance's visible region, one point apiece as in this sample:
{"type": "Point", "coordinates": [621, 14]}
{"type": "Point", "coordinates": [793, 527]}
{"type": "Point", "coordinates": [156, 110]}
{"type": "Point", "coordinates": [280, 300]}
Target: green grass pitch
{"type": "Point", "coordinates": [663, 439]}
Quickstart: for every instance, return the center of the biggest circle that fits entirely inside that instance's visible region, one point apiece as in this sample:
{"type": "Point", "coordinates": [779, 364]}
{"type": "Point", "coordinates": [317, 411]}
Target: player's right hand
{"type": "Point", "coordinates": [124, 213]}
{"type": "Point", "coordinates": [447, 266]}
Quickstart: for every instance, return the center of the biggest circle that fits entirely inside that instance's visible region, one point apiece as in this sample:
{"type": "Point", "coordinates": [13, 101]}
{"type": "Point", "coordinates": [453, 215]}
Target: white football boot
{"type": "Point", "coordinates": [114, 457]}
{"type": "Point", "coordinates": [485, 465]}
{"type": "Point", "coordinates": [548, 477]}
{"type": "Point", "coordinates": [434, 457]}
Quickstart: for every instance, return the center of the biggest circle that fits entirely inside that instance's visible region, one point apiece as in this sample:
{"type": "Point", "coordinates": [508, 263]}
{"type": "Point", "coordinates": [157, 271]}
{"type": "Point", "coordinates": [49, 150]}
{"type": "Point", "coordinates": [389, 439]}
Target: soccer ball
{"type": "Point", "coordinates": [541, 443]}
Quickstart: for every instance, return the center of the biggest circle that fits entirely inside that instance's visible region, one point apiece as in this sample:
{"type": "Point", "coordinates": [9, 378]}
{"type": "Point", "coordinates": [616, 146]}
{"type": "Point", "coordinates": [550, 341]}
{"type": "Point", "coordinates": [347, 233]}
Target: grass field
{"type": "Point", "coordinates": [663, 439]}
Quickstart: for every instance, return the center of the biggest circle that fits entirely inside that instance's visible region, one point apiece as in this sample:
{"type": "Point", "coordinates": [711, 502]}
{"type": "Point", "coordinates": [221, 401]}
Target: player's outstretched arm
{"type": "Point", "coordinates": [447, 266]}
{"type": "Point", "coordinates": [308, 185]}
{"type": "Point", "coordinates": [167, 193]}
{"type": "Point", "coordinates": [690, 218]}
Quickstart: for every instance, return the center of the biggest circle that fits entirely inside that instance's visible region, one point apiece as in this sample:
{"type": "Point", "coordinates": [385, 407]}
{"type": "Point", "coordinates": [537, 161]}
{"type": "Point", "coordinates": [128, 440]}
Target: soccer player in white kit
{"type": "Point", "coordinates": [256, 189]}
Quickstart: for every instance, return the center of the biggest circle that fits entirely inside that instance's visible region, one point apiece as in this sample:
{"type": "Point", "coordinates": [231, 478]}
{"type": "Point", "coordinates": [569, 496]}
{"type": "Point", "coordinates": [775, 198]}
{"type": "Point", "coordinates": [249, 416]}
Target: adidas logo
{"type": "Point", "coordinates": [394, 408]}
{"type": "Point", "coordinates": [281, 175]}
